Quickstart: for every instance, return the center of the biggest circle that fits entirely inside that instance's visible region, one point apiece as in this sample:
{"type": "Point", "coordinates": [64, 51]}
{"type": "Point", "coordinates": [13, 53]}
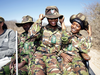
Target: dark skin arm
{"type": "Point", "coordinates": [62, 23]}
{"type": "Point", "coordinates": [20, 65]}
{"type": "Point", "coordinates": [13, 64]}
{"type": "Point", "coordinates": [89, 30]}
{"type": "Point", "coordinates": [41, 17]}
{"type": "Point", "coordinates": [66, 57]}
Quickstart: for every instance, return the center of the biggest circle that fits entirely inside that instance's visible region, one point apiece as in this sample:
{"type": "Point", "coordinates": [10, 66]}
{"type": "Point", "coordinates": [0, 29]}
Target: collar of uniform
{"type": "Point", "coordinates": [76, 35]}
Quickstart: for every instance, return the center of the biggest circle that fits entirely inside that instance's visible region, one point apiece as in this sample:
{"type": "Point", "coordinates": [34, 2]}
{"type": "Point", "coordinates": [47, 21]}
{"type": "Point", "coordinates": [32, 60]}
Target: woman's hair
{"type": "Point", "coordinates": [4, 26]}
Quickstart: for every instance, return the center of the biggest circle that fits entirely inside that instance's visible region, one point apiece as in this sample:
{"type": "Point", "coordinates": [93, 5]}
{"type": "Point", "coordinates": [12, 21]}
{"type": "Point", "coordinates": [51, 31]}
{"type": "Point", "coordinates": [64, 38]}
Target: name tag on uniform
{"type": "Point", "coordinates": [26, 46]}
{"type": "Point", "coordinates": [69, 48]}
{"type": "Point", "coordinates": [53, 39]}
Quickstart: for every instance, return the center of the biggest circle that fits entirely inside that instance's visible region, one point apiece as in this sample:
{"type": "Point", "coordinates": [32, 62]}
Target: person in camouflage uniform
{"type": "Point", "coordinates": [26, 49]}
{"type": "Point", "coordinates": [76, 47]}
{"type": "Point", "coordinates": [44, 61]}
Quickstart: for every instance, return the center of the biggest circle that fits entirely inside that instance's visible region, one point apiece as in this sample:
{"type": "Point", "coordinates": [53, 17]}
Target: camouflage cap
{"type": "Point", "coordinates": [1, 19]}
{"type": "Point", "coordinates": [81, 17]}
{"type": "Point", "coordinates": [72, 17]}
{"type": "Point", "coordinates": [84, 19]}
{"type": "Point", "coordinates": [25, 19]}
{"type": "Point", "coordinates": [52, 12]}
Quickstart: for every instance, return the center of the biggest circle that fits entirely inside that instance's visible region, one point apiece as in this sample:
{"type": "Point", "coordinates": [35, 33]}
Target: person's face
{"type": "Point", "coordinates": [1, 24]}
{"type": "Point", "coordinates": [53, 21]}
{"type": "Point", "coordinates": [26, 26]}
{"type": "Point", "coordinates": [75, 27]}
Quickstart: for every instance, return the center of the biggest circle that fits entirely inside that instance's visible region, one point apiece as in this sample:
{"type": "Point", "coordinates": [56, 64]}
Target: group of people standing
{"type": "Point", "coordinates": [51, 49]}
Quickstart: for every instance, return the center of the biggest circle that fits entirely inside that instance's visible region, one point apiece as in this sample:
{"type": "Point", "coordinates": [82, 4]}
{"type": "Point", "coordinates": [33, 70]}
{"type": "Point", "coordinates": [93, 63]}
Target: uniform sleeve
{"type": "Point", "coordinates": [35, 29]}
{"type": "Point", "coordinates": [88, 42]}
{"type": "Point", "coordinates": [82, 45]}
{"type": "Point", "coordinates": [64, 37]}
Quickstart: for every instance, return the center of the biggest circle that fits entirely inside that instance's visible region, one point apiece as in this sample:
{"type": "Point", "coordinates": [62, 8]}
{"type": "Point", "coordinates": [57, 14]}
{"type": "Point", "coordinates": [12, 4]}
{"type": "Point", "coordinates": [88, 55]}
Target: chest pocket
{"type": "Point", "coordinates": [5, 41]}
{"type": "Point", "coordinates": [46, 37]}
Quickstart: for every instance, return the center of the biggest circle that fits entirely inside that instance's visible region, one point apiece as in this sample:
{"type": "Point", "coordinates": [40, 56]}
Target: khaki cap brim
{"type": "Point", "coordinates": [53, 16]}
{"type": "Point", "coordinates": [20, 24]}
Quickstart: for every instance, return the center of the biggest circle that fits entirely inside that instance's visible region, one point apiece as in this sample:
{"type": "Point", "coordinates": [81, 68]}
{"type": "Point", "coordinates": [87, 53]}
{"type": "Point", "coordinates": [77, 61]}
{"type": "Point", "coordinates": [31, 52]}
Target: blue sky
{"type": "Point", "coordinates": [16, 9]}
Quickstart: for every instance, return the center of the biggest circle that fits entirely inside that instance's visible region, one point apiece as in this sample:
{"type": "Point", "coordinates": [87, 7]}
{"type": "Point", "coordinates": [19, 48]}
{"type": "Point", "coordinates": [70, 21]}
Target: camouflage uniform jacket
{"type": "Point", "coordinates": [51, 39]}
{"type": "Point", "coordinates": [78, 44]}
{"type": "Point", "coordinates": [26, 48]}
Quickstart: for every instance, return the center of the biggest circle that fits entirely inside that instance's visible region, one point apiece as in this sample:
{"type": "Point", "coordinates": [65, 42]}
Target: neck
{"type": "Point", "coordinates": [26, 32]}
{"type": "Point", "coordinates": [53, 27]}
{"type": "Point", "coordinates": [75, 33]}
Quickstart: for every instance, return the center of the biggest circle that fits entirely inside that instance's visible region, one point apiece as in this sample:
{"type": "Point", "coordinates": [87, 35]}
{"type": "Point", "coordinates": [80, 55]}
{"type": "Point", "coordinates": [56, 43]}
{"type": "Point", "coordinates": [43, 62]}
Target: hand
{"type": "Point", "coordinates": [89, 30]}
{"type": "Point", "coordinates": [41, 16]}
{"type": "Point", "coordinates": [12, 64]}
{"type": "Point", "coordinates": [66, 57]}
{"type": "Point", "coordinates": [20, 65]}
{"type": "Point", "coordinates": [61, 19]}
{"type": "Point", "coordinates": [62, 22]}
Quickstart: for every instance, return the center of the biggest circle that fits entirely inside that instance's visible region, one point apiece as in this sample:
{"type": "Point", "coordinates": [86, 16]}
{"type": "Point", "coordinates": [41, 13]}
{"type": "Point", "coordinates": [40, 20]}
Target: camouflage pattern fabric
{"type": "Point", "coordinates": [76, 67]}
{"type": "Point", "coordinates": [26, 50]}
{"type": "Point", "coordinates": [26, 47]}
{"type": "Point", "coordinates": [47, 34]}
{"type": "Point", "coordinates": [50, 43]}
{"type": "Point", "coordinates": [66, 68]}
{"type": "Point", "coordinates": [6, 71]}
{"type": "Point", "coordinates": [44, 64]}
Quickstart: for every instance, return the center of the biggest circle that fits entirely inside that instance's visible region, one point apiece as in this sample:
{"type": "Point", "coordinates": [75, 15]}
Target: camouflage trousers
{"type": "Point", "coordinates": [6, 71]}
{"type": "Point", "coordinates": [76, 67]}
{"type": "Point", "coordinates": [79, 67]}
{"type": "Point", "coordinates": [44, 65]}
{"type": "Point", "coordinates": [66, 68]}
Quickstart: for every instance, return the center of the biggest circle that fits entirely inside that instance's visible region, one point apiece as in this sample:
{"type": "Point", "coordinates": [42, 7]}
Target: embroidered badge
{"type": "Point", "coordinates": [69, 48]}
{"type": "Point", "coordinates": [53, 39]}
{"type": "Point", "coordinates": [26, 46]}
{"type": "Point", "coordinates": [52, 11]}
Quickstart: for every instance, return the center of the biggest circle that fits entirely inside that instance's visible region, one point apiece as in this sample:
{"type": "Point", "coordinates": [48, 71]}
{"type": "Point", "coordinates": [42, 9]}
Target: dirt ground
{"type": "Point", "coordinates": [95, 61]}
